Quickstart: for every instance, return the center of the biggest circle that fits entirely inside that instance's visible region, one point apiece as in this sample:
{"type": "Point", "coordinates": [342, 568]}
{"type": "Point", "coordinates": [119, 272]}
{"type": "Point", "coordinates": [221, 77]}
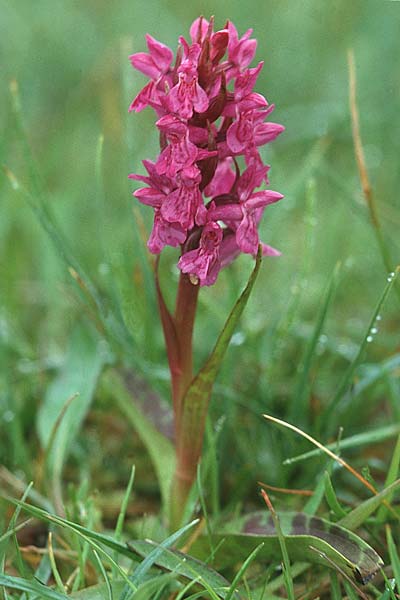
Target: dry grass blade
{"type": "Point", "coordinates": [280, 490]}
{"type": "Point", "coordinates": [334, 456]}
{"type": "Point", "coordinates": [324, 449]}
{"type": "Point", "coordinates": [362, 168]}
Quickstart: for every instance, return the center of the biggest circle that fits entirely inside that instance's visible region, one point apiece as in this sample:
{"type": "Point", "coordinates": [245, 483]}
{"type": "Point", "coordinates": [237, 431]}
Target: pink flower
{"type": "Point", "coordinates": [156, 63]}
{"type": "Point", "coordinates": [203, 264]}
{"type": "Point", "coordinates": [240, 51]}
{"type": "Point", "coordinates": [165, 234]}
{"type": "Point", "coordinates": [243, 216]}
{"type": "Point", "coordinates": [248, 131]}
{"type": "Point", "coordinates": [180, 152]}
{"type": "Point", "coordinates": [185, 204]}
{"type": "Point", "coordinates": [187, 95]}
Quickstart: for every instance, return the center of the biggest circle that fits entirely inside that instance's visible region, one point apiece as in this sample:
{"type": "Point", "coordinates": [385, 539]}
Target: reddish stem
{"type": "Point", "coordinates": [185, 313]}
{"type": "Point", "coordinates": [178, 334]}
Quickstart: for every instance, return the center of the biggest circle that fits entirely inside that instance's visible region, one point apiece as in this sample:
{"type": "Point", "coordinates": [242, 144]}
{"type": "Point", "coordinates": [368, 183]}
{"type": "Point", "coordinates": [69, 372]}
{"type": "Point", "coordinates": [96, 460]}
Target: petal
{"type": "Point", "coordinates": [143, 98]}
{"type": "Point", "coordinates": [269, 250]}
{"type": "Point", "coordinates": [200, 100]}
{"type": "Point", "coordinates": [145, 64]}
{"type": "Point", "coordinates": [262, 198]}
{"type": "Point", "coordinates": [149, 196]}
{"type": "Point", "coordinates": [160, 53]}
{"type": "Point", "coordinates": [236, 138]}
{"type": "Point", "coordinates": [164, 234]}
{"type": "Point", "coordinates": [267, 132]}
{"type": "Point", "coordinates": [227, 212]}
{"type": "Point", "coordinates": [223, 179]}
{"type": "Point", "coordinates": [247, 236]}
{"type": "Point", "coordinates": [219, 42]}
{"type": "Point", "coordinates": [198, 29]}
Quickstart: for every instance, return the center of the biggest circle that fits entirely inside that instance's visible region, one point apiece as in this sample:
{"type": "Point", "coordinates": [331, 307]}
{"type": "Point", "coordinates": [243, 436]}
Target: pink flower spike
{"type": "Point", "coordinates": [204, 186]}
{"type": "Point", "coordinates": [203, 264]}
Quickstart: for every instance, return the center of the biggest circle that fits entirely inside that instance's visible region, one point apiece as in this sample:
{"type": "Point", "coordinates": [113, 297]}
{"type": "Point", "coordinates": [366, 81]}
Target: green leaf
{"type": "Point", "coordinates": [30, 586]}
{"type": "Point", "coordinates": [158, 446]}
{"type": "Point", "coordinates": [306, 538]}
{"type": "Point", "coordinates": [79, 374]}
{"type": "Point", "coordinates": [331, 498]}
{"type": "Point", "coordinates": [147, 563]}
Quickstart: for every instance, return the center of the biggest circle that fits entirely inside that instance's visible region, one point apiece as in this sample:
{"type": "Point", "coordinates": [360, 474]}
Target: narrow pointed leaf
{"type": "Point", "coordinates": [356, 517]}
{"type": "Point", "coordinates": [30, 586]}
{"type": "Point", "coordinates": [196, 400]}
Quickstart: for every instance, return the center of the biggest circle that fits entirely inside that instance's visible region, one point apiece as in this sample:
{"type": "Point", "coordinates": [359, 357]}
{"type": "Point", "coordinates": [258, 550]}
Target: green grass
{"type": "Point", "coordinates": [78, 305]}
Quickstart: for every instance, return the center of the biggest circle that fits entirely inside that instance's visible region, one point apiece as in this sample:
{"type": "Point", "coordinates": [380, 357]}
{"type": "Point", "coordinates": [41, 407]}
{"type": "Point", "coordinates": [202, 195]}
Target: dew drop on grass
{"type": "Point", "coordinates": [374, 330]}
{"type": "Point", "coordinates": [369, 338]}
{"type": "Point", "coordinates": [237, 338]}
{"type": "Point", "coordinates": [103, 269]}
{"type": "Point", "coordinates": [8, 416]}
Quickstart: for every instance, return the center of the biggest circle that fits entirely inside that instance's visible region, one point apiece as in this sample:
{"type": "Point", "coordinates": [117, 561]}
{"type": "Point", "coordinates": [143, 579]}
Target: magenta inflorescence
{"type": "Point", "coordinates": [208, 117]}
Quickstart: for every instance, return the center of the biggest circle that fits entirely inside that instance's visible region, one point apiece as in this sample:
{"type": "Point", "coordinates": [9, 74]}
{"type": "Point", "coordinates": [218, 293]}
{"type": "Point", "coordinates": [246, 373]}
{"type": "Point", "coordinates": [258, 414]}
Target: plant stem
{"type": "Point", "coordinates": [185, 472]}
{"type": "Point", "coordinates": [178, 334]}
{"type": "Point", "coordinates": [185, 313]}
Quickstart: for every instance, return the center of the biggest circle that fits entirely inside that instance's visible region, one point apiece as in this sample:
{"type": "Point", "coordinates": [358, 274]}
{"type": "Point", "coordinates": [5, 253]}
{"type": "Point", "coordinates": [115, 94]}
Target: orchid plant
{"type": "Point", "coordinates": [204, 188]}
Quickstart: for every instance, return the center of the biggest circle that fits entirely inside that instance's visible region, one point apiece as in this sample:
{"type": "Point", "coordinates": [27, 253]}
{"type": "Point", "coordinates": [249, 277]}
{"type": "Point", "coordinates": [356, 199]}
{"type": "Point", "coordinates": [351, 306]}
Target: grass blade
{"type": "Point", "coordinates": [299, 404]}
{"type": "Point", "coordinates": [360, 439]}
{"type": "Point", "coordinates": [30, 586]}
{"type": "Point", "coordinates": [331, 413]}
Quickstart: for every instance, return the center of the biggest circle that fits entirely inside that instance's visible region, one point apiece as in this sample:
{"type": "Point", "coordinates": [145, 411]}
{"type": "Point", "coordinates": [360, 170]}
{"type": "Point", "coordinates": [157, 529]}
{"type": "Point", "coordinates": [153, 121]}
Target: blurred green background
{"type": "Point", "coordinates": [70, 60]}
